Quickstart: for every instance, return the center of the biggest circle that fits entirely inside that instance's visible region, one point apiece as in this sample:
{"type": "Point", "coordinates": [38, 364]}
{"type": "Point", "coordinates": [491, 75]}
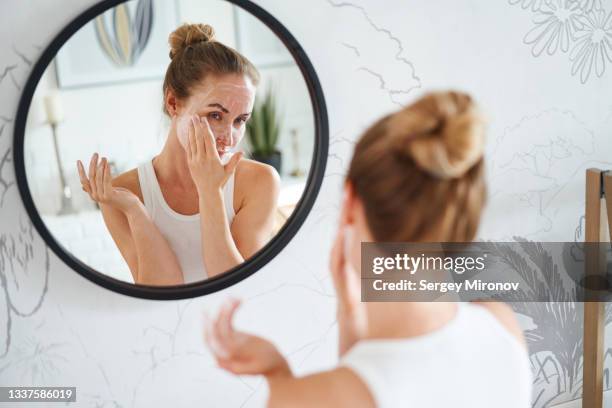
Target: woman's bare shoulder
{"type": "Point", "coordinates": [256, 180]}
{"type": "Point", "coordinates": [253, 171]}
{"type": "Point", "coordinates": [130, 181]}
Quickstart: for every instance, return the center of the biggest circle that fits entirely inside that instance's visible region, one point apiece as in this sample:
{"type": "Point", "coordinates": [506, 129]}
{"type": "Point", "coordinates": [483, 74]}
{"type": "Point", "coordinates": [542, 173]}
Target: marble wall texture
{"type": "Point", "coordinates": [542, 69]}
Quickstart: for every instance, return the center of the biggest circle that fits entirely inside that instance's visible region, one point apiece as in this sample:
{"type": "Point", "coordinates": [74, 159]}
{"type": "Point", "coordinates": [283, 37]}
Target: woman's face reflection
{"type": "Point", "coordinates": [226, 101]}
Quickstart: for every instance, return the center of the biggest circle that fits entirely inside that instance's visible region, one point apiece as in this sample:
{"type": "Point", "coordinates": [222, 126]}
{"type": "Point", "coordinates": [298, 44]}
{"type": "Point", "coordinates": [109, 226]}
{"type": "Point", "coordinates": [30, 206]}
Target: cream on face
{"type": "Point", "coordinates": [226, 106]}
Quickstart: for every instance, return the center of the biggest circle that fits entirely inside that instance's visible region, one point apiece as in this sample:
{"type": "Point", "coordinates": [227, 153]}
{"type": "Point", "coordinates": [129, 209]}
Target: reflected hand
{"type": "Point", "coordinates": [99, 186]}
{"type": "Point", "coordinates": [351, 313]}
{"type": "Point", "coordinates": [242, 353]}
{"type": "Point", "coordinates": [207, 171]}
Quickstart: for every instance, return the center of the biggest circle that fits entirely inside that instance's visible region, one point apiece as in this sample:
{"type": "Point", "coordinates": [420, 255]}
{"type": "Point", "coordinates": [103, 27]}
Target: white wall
{"type": "Point", "coordinates": [546, 128]}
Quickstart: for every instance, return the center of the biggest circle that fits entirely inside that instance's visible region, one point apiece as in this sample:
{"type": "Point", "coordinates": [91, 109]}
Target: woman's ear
{"type": "Point", "coordinates": [171, 103]}
{"type": "Point", "coordinates": [347, 216]}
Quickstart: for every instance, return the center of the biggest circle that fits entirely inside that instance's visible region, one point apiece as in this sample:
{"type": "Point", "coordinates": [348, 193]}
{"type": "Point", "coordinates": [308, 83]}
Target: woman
{"type": "Point", "coordinates": [196, 209]}
{"type": "Point", "coordinates": [416, 175]}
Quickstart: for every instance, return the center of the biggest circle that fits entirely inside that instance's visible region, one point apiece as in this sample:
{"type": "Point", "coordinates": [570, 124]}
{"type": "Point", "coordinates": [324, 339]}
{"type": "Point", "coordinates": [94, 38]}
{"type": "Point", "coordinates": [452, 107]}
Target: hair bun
{"type": "Point", "coordinates": [189, 34]}
{"type": "Point", "coordinates": [443, 132]}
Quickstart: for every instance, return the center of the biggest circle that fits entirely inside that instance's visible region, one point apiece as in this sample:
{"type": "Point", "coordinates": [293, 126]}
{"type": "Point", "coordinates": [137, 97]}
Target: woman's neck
{"type": "Point", "coordinates": [407, 319]}
{"type": "Point", "coordinates": [171, 164]}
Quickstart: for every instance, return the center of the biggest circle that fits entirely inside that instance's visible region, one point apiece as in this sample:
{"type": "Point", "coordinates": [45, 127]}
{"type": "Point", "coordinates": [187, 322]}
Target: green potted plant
{"type": "Point", "coordinates": [263, 129]}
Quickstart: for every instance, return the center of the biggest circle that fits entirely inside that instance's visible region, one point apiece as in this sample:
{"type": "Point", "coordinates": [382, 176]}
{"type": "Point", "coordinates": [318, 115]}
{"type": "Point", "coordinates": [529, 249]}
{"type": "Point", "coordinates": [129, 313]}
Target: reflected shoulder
{"type": "Point", "coordinates": [261, 176]}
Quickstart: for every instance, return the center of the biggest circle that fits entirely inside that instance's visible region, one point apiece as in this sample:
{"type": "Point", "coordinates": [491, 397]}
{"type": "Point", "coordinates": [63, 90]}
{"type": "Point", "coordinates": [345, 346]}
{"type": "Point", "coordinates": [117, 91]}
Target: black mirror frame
{"type": "Point", "coordinates": [234, 275]}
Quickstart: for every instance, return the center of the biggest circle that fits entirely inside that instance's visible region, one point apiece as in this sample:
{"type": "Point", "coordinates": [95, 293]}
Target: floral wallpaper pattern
{"type": "Point", "coordinates": [582, 27]}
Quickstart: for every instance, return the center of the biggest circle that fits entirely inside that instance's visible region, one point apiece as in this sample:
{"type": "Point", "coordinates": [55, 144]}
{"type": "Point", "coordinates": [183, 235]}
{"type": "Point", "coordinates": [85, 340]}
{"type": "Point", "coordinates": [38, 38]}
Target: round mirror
{"type": "Point", "coordinates": [170, 148]}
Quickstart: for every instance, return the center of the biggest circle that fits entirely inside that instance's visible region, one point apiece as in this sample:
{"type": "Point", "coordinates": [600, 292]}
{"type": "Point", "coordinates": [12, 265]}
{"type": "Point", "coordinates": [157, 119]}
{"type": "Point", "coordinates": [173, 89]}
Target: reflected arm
{"type": "Point", "coordinates": [146, 251]}
{"type": "Point", "coordinates": [252, 225]}
{"type": "Point", "coordinates": [336, 388]}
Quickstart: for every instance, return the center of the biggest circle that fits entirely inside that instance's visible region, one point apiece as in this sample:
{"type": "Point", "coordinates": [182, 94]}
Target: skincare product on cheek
{"type": "Point", "coordinates": [182, 130]}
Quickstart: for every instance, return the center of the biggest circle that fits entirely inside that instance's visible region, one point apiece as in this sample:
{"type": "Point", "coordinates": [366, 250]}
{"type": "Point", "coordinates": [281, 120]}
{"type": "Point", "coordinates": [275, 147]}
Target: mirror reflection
{"type": "Point", "coordinates": [169, 141]}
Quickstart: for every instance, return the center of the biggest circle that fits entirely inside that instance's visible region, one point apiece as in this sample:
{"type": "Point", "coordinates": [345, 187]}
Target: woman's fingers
{"type": "Point", "coordinates": [219, 338]}
{"type": "Point", "coordinates": [211, 338]}
{"type": "Point", "coordinates": [338, 258]}
{"type": "Point", "coordinates": [81, 170]}
{"type": "Point", "coordinates": [341, 270]}
{"type": "Point", "coordinates": [200, 147]}
{"type": "Point", "coordinates": [208, 138]}
{"type": "Point", "coordinates": [230, 167]}
{"type": "Point", "coordinates": [217, 324]}
{"type": "Point", "coordinates": [349, 277]}
{"type": "Point", "coordinates": [236, 366]}
{"type": "Point", "coordinates": [83, 177]}
{"type": "Point", "coordinates": [108, 185]}
{"type": "Point", "coordinates": [227, 328]}
{"type": "Point", "coordinates": [345, 279]}
{"type": "Point", "coordinates": [93, 163]}
{"type": "Point", "coordinates": [107, 177]}
{"type": "Point", "coordinates": [224, 321]}
{"type": "Point", "coordinates": [193, 147]}
{"type": "Point", "coordinates": [188, 147]}
{"type": "Point", "coordinates": [100, 177]}
{"type": "Point", "coordinates": [228, 365]}
{"type": "Point", "coordinates": [223, 330]}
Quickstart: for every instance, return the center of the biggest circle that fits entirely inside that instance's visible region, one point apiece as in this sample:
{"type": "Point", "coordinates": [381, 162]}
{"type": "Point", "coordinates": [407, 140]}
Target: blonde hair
{"type": "Point", "coordinates": [420, 171]}
{"type": "Point", "coordinates": [195, 53]}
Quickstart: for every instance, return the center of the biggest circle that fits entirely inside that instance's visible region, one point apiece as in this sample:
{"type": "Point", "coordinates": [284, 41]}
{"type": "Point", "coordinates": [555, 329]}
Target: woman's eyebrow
{"type": "Point", "coordinates": [218, 105]}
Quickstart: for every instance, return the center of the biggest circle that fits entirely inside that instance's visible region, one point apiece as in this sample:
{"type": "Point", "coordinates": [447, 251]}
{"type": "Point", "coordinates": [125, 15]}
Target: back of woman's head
{"type": "Point", "coordinates": [195, 54]}
{"type": "Point", "coordinates": [419, 172]}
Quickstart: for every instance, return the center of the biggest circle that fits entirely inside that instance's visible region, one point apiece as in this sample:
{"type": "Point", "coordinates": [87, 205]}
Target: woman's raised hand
{"type": "Point", "coordinates": [98, 184]}
{"type": "Point", "coordinates": [238, 352]}
{"type": "Point", "coordinates": [205, 166]}
{"type": "Point", "coordinates": [351, 313]}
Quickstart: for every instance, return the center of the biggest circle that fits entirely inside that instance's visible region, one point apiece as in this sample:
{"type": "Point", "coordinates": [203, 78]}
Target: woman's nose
{"type": "Point", "coordinates": [229, 136]}
{"type": "Point", "coordinates": [226, 137]}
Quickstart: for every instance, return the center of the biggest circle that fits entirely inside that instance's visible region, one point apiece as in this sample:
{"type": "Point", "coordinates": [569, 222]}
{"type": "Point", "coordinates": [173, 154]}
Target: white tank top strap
{"type": "Point", "coordinates": [145, 172]}
{"type": "Point", "coordinates": [228, 197]}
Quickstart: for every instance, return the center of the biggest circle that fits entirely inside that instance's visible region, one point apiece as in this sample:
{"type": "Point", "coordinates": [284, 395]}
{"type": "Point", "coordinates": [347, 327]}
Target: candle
{"type": "Point", "coordinates": [53, 107]}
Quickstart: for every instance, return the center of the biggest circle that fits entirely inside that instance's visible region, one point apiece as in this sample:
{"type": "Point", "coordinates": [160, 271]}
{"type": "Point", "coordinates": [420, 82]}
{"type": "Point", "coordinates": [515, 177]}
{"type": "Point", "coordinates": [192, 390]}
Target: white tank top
{"type": "Point", "coordinates": [472, 362]}
{"type": "Point", "coordinates": [181, 231]}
